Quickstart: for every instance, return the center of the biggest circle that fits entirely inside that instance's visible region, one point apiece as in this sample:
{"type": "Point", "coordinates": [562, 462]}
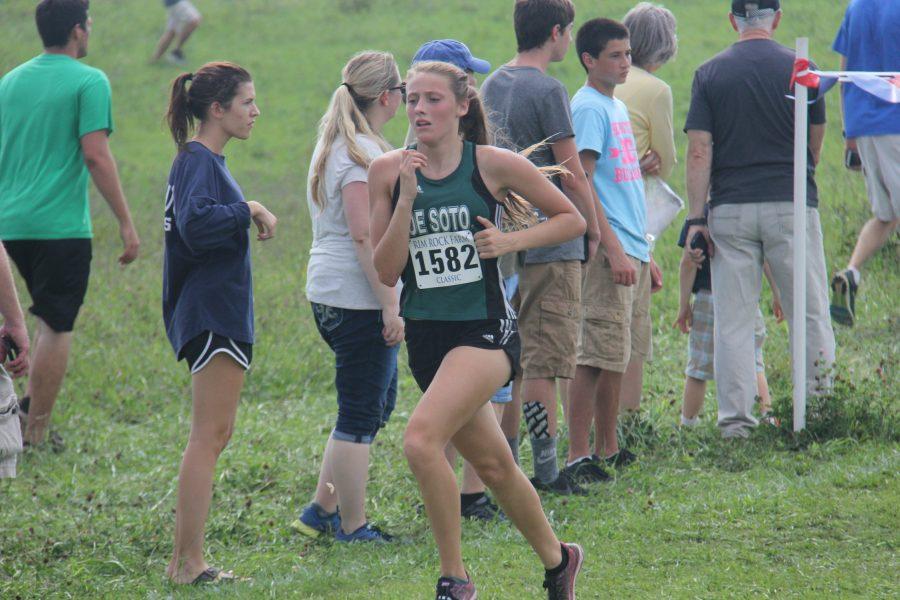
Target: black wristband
{"type": "Point", "coordinates": [697, 221]}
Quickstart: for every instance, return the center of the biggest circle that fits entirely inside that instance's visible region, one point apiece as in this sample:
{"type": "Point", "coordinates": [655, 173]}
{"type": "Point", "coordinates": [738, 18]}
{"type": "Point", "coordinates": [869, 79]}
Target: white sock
{"type": "Point", "coordinates": [857, 276]}
{"type": "Point", "coordinates": [578, 460]}
{"type": "Point", "coordinates": [693, 421]}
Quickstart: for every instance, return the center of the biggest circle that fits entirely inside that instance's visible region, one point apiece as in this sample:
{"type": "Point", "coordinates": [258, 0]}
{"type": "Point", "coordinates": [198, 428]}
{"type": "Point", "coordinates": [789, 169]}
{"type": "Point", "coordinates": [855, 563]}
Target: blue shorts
{"type": "Point", "coordinates": [365, 370]}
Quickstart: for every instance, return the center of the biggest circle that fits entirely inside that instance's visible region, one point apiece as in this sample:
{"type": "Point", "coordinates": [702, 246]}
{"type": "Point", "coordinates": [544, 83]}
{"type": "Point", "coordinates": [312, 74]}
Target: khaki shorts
{"type": "Point", "coordinates": [616, 319]}
{"type": "Point", "coordinates": [180, 15]}
{"type": "Point", "coordinates": [881, 162]}
{"type": "Point", "coordinates": [548, 302]}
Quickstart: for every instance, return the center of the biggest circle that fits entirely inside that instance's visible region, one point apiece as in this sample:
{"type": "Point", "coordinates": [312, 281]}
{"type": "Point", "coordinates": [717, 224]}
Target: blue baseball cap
{"type": "Point", "coordinates": [453, 52]}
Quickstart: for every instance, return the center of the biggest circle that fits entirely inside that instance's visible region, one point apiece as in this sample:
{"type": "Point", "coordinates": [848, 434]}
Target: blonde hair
{"type": "Point", "coordinates": [364, 78]}
{"type": "Point", "coordinates": [474, 127]}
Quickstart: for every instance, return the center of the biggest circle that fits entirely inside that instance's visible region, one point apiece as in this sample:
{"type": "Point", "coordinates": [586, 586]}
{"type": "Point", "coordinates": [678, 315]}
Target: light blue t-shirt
{"type": "Point", "coordinates": [602, 125]}
{"type": "Point", "coordinates": [869, 38]}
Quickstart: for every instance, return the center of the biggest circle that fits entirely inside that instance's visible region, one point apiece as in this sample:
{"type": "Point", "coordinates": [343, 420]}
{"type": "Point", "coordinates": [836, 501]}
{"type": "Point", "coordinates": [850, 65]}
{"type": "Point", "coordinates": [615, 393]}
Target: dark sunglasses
{"type": "Point", "coordinates": [402, 88]}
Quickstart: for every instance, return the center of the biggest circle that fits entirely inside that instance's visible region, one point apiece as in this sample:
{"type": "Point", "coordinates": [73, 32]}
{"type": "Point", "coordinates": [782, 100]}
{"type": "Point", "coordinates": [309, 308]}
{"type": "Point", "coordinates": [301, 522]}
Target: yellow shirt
{"type": "Point", "coordinates": [649, 102]}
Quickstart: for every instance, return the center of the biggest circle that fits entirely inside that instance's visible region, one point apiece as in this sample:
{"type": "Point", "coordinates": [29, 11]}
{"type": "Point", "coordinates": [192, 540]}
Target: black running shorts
{"type": "Point", "coordinates": [56, 273]}
{"type": "Point", "coordinates": [428, 342]}
{"type": "Point", "coordinates": [202, 348]}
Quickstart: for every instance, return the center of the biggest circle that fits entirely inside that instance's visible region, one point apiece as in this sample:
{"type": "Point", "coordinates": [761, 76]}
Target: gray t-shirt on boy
{"type": "Point", "coordinates": [526, 107]}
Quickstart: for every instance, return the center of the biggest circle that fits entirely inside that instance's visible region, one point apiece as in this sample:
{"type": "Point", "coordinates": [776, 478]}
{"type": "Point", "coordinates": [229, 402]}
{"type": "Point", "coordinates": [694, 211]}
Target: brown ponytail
{"type": "Point", "coordinates": [213, 82]}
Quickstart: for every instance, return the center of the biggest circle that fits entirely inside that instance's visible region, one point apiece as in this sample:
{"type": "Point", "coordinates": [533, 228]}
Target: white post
{"type": "Point", "coordinates": [798, 334]}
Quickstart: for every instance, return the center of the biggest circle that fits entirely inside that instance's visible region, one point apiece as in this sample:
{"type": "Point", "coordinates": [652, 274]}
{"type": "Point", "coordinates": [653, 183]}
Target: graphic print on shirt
{"type": "Point", "coordinates": [169, 214]}
{"type": "Point", "coordinates": [442, 247]}
{"type": "Point", "coordinates": [626, 153]}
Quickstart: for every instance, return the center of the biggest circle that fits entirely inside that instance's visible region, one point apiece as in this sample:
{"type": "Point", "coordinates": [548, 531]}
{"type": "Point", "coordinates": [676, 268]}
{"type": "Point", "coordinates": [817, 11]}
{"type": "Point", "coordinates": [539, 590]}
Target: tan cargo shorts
{"type": "Point", "coordinates": [548, 302]}
{"type": "Point", "coordinates": [615, 324]}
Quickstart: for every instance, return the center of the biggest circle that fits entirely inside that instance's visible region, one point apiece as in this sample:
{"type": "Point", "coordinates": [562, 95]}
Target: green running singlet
{"type": "Point", "coordinates": [444, 279]}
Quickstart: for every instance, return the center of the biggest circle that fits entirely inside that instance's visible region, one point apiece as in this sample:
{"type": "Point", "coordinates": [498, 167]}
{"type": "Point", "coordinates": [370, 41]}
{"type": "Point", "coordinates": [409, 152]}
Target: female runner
{"type": "Point", "coordinates": [434, 209]}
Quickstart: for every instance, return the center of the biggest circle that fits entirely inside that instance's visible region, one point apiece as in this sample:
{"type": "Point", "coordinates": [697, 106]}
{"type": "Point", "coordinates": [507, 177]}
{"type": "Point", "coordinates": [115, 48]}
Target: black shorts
{"type": "Point", "coordinates": [428, 342]}
{"type": "Point", "coordinates": [202, 348]}
{"type": "Point", "coordinates": [56, 273]}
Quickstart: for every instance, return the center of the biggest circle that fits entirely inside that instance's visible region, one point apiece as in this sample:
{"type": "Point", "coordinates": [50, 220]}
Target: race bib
{"type": "Point", "coordinates": [445, 259]}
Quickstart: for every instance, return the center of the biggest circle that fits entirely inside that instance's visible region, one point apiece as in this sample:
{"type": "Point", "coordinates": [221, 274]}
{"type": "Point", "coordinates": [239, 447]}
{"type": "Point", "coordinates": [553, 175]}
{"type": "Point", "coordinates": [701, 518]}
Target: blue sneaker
{"type": "Point", "coordinates": [312, 524]}
{"type": "Point", "coordinates": [366, 533]}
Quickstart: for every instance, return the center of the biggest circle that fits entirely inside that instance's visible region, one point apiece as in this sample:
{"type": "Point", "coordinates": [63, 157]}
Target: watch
{"type": "Point", "coordinates": [697, 221]}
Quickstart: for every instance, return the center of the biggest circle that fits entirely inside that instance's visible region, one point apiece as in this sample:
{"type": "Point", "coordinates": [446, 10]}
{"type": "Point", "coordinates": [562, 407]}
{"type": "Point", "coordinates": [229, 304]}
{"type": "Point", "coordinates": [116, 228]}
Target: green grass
{"type": "Point", "coordinates": [772, 517]}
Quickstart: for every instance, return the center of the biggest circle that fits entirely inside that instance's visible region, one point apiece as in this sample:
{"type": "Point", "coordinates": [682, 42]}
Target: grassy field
{"type": "Point", "coordinates": [696, 518]}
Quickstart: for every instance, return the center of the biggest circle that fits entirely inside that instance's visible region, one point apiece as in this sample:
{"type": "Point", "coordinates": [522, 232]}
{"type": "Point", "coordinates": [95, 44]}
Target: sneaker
{"type": "Point", "coordinates": [843, 298]}
{"type": "Point", "coordinates": [587, 471]}
{"type": "Point", "coordinates": [176, 57]}
{"type": "Point", "coordinates": [562, 585]}
{"type": "Point", "coordinates": [622, 458]}
{"type": "Point", "coordinates": [450, 589]}
{"type": "Point", "coordinates": [562, 485]}
{"type": "Point", "coordinates": [366, 533]}
{"type": "Point", "coordinates": [483, 509]}
{"type": "Point", "coordinates": [312, 524]}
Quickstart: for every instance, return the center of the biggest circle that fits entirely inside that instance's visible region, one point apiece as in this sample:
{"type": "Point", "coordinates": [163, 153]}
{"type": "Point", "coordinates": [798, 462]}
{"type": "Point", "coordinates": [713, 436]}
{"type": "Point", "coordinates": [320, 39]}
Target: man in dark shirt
{"type": "Point", "coordinates": [740, 132]}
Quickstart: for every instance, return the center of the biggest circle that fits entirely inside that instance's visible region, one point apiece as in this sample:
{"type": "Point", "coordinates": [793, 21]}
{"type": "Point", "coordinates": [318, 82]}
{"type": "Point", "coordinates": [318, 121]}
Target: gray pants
{"type": "Point", "coordinates": [744, 236]}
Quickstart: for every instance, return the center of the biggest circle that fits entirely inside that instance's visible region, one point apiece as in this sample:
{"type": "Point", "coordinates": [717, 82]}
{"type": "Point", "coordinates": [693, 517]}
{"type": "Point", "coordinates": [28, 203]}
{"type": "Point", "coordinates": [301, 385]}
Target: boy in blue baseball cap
{"type": "Point", "coordinates": [455, 53]}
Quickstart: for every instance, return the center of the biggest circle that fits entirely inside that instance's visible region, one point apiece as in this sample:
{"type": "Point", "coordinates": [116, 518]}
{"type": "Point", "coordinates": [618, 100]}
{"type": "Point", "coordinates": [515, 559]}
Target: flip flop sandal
{"type": "Point", "coordinates": [213, 575]}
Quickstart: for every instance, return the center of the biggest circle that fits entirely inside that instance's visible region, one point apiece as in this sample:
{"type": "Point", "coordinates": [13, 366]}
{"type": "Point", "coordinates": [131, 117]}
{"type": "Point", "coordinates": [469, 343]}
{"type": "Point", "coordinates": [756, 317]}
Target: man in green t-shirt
{"type": "Point", "coordinates": [55, 119]}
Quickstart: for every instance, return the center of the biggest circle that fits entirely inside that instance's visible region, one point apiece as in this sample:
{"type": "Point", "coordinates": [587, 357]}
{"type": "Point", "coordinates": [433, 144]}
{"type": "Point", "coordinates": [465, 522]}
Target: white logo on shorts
{"type": "Point", "coordinates": [489, 337]}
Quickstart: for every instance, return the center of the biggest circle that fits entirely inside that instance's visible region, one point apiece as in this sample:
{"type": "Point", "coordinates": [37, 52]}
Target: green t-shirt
{"type": "Point", "coordinates": [46, 105]}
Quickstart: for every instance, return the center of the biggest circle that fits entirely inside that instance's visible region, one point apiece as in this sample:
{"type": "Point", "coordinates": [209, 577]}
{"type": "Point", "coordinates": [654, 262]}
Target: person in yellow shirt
{"type": "Point", "coordinates": [649, 102]}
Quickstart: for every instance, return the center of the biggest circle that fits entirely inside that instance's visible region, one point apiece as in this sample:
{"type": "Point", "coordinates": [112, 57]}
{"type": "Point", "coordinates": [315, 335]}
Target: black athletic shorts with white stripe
{"type": "Point", "coordinates": [428, 342]}
{"type": "Point", "coordinates": [202, 348]}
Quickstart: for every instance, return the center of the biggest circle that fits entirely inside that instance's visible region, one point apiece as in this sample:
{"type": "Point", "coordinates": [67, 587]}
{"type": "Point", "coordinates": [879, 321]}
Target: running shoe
{"type": "Point", "coordinates": [622, 458]}
{"type": "Point", "coordinates": [176, 57]}
{"type": "Point", "coordinates": [366, 533]}
{"type": "Point", "coordinates": [562, 485]}
{"type": "Point", "coordinates": [561, 586]}
{"type": "Point", "coordinates": [483, 509]}
{"type": "Point", "coordinates": [843, 297]}
{"type": "Point", "coordinates": [312, 524]}
{"type": "Point", "coordinates": [587, 471]}
{"type": "Point", "coordinates": [450, 589]}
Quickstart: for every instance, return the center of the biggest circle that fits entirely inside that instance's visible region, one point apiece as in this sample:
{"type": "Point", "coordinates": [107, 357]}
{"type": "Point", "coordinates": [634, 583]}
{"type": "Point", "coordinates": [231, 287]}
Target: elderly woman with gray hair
{"type": "Point", "coordinates": [649, 102]}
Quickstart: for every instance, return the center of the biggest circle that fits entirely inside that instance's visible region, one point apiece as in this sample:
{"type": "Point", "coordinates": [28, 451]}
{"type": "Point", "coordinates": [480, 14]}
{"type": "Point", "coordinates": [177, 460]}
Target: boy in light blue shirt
{"type": "Point", "coordinates": [615, 327]}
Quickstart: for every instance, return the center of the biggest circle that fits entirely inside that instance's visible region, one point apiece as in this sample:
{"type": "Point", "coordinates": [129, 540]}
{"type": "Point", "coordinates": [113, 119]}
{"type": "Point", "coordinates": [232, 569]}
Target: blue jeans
{"type": "Point", "coordinates": [365, 370]}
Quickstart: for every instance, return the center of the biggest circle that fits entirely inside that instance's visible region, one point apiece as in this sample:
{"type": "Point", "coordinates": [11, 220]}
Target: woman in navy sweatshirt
{"type": "Point", "coordinates": [207, 285]}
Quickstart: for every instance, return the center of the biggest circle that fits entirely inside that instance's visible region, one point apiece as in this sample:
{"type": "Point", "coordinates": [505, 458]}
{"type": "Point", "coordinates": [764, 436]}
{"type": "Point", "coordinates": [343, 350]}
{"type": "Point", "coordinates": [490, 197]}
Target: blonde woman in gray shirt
{"type": "Point", "coordinates": [356, 315]}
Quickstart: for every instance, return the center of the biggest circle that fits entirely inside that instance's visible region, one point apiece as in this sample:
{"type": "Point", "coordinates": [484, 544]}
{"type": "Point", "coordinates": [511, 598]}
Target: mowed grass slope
{"type": "Point", "coordinates": [694, 518]}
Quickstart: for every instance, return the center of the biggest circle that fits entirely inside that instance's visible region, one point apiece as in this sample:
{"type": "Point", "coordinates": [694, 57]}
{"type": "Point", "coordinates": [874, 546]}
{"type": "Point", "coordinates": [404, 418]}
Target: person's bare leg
{"type": "Point", "coordinates": [562, 393]}
{"type": "Point", "coordinates": [49, 359]}
{"type": "Point", "coordinates": [471, 482]}
{"type": "Point", "coordinates": [464, 382]}
{"type": "Point", "coordinates": [694, 394]}
{"type": "Point", "coordinates": [186, 32]}
{"type": "Point", "coordinates": [216, 391]}
{"type": "Point", "coordinates": [632, 386]}
{"type": "Point", "coordinates": [350, 468]}
{"type": "Point", "coordinates": [481, 441]}
{"type": "Point", "coordinates": [762, 386]}
{"type": "Point", "coordinates": [873, 235]}
{"type": "Point", "coordinates": [163, 44]}
{"type": "Point", "coordinates": [606, 413]}
{"type": "Point", "coordinates": [582, 397]}
{"type": "Point", "coordinates": [511, 421]}
{"type": "Point", "coordinates": [326, 493]}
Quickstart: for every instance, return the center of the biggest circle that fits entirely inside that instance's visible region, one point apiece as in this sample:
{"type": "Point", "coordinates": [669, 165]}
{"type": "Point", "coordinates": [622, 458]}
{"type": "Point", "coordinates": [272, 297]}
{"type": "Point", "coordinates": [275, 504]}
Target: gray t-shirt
{"type": "Point", "coordinates": [333, 274]}
{"type": "Point", "coordinates": [526, 107]}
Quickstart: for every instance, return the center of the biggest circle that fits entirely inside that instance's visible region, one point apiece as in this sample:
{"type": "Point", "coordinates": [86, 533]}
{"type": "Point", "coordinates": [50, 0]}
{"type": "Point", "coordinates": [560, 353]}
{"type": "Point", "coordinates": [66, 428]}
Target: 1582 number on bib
{"type": "Point", "coordinates": [445, 259]}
